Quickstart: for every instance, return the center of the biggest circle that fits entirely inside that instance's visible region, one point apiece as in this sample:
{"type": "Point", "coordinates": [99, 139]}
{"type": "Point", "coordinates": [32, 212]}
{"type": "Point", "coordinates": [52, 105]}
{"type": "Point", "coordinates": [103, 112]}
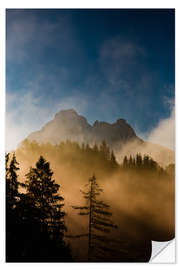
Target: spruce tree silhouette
{"type": "Point", "coordinates": [125, 162]}
{"type": "Point", "coordinates": [12, 183]}
{"type": "Point", "coordinates": [113, 160]}
{"type": "Point", "coordinates": [104, 150]}
{"type": "Point", "coordinates": [140, 163]}
{"type": "Point", "coordinates": [99, 220]}
{"type": "Point", "coordinates": [12, 199]}
{"type": "Point", "coordinates": [34, 219]}
{"type": "Point", "coordinates": [43, 191]}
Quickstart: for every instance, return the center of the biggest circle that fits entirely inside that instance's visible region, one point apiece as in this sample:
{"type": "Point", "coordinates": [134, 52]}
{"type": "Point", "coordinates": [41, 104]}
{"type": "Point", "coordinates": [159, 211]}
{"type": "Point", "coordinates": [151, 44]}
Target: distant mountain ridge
{"type": "Point", "coordinates": [68, 124]}
{"type": "Point", "coordinates": [120, 136]}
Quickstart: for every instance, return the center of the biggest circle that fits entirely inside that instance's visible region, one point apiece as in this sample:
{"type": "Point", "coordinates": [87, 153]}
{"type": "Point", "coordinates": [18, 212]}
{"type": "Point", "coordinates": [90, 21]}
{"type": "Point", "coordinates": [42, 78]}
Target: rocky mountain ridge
{"type": "Point", "coordinates": [120, 136]}
{"type": "Point", "coordinates": [67, 124]}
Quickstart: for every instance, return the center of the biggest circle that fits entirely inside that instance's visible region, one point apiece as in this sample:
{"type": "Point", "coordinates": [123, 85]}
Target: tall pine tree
{"type": "Point", "coordinates": [99, 220]}
{"type": "Point", "coordinates": [48, 205]}
{"type": "Point", "coordinates": [12, 184]}
{"type": "Point", "coordinates": [43, 190]}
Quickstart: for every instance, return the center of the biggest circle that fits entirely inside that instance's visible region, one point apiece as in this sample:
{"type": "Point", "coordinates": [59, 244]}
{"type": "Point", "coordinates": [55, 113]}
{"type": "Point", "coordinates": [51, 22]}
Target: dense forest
{"type": "Point", "coordinates": [122, 208]}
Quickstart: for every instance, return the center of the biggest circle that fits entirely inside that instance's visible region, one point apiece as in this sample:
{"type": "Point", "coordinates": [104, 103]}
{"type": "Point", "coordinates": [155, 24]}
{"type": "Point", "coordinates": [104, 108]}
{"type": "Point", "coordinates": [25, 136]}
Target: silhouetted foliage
{"type": "Point", "coordinates": [12, 183]}
{"type": "Point", "coordinates": [125, 162]}
{"type": "Point", "coordinates": [42, 189]}
{"type": "Point", "coordinates": [72, 155]}
{"type": "Point", "coordinates": [12, 199]}
{"type": "Point", "coordinates": [34, 220]}
{"type": "Point", "coordinates": [99, 220]}
{"type": "Point", "coordinates": [104, 150]}
{"type": "Point", "coordinates": [139, 163]}
{"type": "Point", "coordinates": [113, 160]}
{"type": "Point", "coordinates": [126, 186]}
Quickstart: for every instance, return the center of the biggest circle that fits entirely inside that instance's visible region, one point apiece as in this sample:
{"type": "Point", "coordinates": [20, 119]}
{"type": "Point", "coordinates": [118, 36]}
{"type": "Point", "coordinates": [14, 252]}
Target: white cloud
{"type": "Point", "coordinates": [164, 133]}
{"type": "Point", "coordinates": [156, 141]}
{"type": "Point", "coordinates": [27, 113]}
{"type": "Point", "coordinates": [22, 116]}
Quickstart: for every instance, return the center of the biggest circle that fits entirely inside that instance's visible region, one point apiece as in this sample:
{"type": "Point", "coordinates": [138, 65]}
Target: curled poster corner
{"type": "Point", "coordinates": [163, 252]}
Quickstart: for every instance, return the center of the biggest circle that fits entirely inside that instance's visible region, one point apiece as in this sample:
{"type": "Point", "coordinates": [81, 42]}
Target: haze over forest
{"type": "Point", "coordinates": [138, 189]}
{"type": "Point", "coordinates": [120, 136]}
{"type": "Point", "coordinates": [90, 115]}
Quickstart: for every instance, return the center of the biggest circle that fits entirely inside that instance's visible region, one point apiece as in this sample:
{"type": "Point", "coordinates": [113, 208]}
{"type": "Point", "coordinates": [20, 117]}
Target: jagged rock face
{"type": "Point", "coordinates": [120, 136]}
{"type": "Point", "coordinates": [113, 133]}
{"type": "Point", "coordinates": [67, 124]}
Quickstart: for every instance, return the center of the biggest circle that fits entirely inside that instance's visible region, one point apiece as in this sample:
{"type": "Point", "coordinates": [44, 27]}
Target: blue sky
{"type": "Point", "coordinates": [106, 64]}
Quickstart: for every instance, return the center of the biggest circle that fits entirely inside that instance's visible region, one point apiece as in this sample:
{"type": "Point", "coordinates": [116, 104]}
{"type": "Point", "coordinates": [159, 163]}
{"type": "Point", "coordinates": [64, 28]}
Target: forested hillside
{"type": "Point", "coordinates": [138, 191]}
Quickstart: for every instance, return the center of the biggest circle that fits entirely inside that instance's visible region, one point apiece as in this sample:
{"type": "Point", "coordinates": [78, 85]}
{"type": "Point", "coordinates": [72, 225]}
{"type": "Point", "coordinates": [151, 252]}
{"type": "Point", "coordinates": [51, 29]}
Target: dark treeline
{"type": "Point", "coordinates": [145, 163]}
{"type": "Point", "coordinates": [35, 224]}
{"type": "Point", "coordinates": [36, 230]}
{"type": "Point", "coordinates": [100, 157]}
{"type": "Point", "coordinates": [73, 156]}
{"type": "Point", "coordinates": [35, 218]}
{"type": "Point", "coordinates": [139, 162]}
{"type": "Point", "coordinates": [71, 152]}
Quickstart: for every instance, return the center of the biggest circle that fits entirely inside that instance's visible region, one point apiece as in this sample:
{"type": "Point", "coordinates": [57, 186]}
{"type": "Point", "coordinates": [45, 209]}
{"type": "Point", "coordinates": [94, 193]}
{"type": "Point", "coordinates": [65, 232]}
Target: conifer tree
{"type": "Point", "coordinates": [47, 209]}
{"type": "Point", "coordinates": [43, 191]}
{"type": "Point", "coordinates": [104, 149]}
{"type": "Point", "coordinates": [125, 162]}
{"type": "Point", "coordinates": [113, 159]}
{"type": "Point", "coordinates": [139, 161]}
{"type": "Point", "coordinates": [34, 220]}
{"type": "Point", "coordinates": [95, 148]}
{"type": "Point", "coordinates": [99, 219]}
{"type": "Point", "coordinates": [133, 162]}
{"type": "Point", "coordinates": [13, 215]}
{"type": "Point", "coordinates": [7, 161]}
{"type": "Point", "coordinates": [130, 162]}
{"type": "Point", "coordinates": [146, 162]}
{"type": "Point", "coordinates": [12, 183]}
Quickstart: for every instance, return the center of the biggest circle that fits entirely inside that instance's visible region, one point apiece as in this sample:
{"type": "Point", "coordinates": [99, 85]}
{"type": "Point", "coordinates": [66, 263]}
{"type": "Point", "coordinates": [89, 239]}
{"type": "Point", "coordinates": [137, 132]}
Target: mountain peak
{"type": "Point", "coordinates": [68, 124]}
{"type": "Point", "coordinates": [68, 112]}
{"type": "Point", "coordinates": [121, 121]}
{"type": "Point", "coordinates": [100, 124]}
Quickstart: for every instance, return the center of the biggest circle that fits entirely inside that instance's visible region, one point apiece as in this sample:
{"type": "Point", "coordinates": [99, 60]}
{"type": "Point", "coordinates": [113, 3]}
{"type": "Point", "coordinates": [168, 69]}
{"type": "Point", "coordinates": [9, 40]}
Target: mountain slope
{"type": "Point", "coordinates": [68, 125]}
